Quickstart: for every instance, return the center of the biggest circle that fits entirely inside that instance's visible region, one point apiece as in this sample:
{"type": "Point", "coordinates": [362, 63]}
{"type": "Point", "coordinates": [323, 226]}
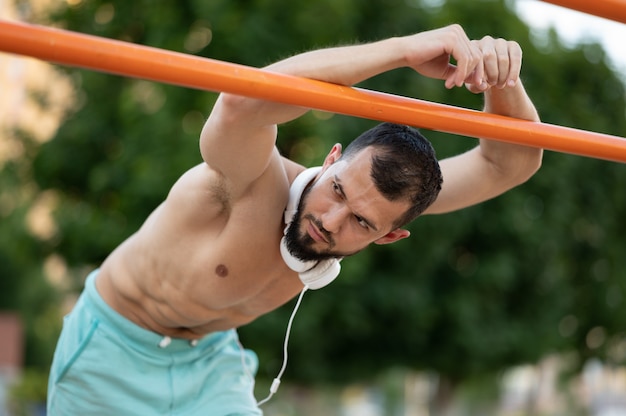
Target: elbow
{"type": "Point", "coordinates": [227, 113]}
{"type": "Point", "coordinates": [230, 106]}
{"type": "Point", "coordinates": [232, 100]}
{"type": "Point", "coordinates": [534, 163]}
{"type": "Point", "coordinates": [528, 164]}
{"type": "Point", "coordinates": [515, 168]}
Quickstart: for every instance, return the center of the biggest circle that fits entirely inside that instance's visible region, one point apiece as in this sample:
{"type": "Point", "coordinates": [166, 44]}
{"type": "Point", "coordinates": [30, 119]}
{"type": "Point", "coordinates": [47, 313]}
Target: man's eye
{"type": "Point", "coordinates": [361, 221]}
{"type": "Point", "coordinates": [336, 188]}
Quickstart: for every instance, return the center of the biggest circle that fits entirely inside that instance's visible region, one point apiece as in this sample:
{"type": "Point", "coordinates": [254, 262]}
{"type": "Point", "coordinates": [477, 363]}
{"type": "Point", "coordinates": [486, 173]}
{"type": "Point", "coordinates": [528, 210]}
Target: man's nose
{"type": "Point", "coordinates": [334, 218]}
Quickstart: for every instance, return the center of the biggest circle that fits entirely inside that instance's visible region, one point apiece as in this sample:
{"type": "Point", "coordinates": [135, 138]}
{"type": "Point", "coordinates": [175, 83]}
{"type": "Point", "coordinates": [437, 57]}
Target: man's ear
{"type": "Point", "coordinates": [393, 236]}
{"type": "Point", "coordinates": [332, 156]}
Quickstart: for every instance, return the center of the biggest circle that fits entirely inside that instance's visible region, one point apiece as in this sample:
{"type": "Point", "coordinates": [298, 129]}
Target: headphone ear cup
{"type": "Point", "coordinates": [292, 262]}
{"type": "Point", "coordinates": [321, 275]}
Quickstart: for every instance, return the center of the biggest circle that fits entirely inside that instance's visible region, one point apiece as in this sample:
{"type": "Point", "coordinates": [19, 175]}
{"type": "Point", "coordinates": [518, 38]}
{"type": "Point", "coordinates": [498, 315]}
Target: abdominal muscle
{"type": "Point", "coordinates": [185, 299]}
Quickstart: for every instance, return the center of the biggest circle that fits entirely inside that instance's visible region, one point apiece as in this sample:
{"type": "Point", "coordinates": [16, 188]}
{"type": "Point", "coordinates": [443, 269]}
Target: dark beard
{"type": "Point", "coordinates": [301, 245]}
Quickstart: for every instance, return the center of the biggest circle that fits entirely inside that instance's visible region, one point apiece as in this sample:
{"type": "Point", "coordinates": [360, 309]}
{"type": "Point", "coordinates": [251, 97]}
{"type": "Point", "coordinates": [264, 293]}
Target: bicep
{"type": "Point", "coordinates": [234, 145]}
{"type": "Point", "coordinates": [461, 184]}
{"type": "Point", "coordinates": [239, 137]}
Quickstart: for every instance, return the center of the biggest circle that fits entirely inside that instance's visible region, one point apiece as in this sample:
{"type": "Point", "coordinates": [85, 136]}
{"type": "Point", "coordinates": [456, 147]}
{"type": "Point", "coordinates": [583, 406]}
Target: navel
{"type": "Point", "coordinates": [221, 270]}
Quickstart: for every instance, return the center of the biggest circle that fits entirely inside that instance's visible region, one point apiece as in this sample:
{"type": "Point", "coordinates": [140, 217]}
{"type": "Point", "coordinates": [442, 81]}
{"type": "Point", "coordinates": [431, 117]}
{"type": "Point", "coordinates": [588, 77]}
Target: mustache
{"type": "Point", "coordinates": [327, 235]}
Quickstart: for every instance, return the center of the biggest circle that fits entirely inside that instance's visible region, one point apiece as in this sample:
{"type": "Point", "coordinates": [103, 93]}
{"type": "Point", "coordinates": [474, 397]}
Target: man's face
{"type": "Point", "coordinates": [342, 212]}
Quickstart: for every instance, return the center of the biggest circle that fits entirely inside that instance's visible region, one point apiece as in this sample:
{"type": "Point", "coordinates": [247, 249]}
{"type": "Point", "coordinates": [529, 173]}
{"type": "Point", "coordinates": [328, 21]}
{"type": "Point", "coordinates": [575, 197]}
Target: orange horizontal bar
{"type": "Point", "coordinates": [609, 9]}
{"type": "Point", "coordinates": [122, 58]}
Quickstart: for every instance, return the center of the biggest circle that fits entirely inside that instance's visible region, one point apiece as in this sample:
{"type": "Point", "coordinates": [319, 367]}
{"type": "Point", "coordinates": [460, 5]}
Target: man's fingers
{"type": "Point", "coordinates": [515, 63]}
{"type": "Point", "coordinates": [483, 63]}
{"type": "Point", "coordinates": [501, 60]}
{"type": "Point", "coordinates": [468, 58]}
{"type": "Point", "coordinates": [504, 62]}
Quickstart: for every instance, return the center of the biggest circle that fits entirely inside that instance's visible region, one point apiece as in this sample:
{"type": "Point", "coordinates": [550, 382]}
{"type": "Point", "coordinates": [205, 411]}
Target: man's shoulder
{"type": "Point", "coordinates": [200, 191]}
{"type": "Point", "coordinates": [209, 187]}
{"type": "Point", "coordinates": [292, 169]}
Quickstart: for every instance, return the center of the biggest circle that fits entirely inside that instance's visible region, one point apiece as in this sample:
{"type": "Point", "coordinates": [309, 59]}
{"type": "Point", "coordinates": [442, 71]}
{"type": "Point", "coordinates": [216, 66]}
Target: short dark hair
{"type": "Point", "coordinates": [404, 166]}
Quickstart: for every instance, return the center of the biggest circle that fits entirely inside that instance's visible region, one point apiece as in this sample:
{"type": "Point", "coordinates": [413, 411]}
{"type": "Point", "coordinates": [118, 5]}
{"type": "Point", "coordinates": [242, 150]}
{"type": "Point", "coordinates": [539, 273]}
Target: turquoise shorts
{"type": "Point", "coordinates": [104, 364]}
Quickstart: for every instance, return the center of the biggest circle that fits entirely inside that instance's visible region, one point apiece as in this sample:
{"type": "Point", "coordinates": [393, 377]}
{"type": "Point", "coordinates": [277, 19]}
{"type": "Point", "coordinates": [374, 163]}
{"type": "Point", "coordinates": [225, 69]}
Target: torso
{"type": "Point", "coordinates": [201, 263]}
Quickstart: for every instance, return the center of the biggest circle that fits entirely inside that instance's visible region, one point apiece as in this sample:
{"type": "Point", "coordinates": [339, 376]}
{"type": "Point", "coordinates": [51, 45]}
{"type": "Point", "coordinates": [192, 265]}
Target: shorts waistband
{"type": "Point", "coordinates": [143, 338]}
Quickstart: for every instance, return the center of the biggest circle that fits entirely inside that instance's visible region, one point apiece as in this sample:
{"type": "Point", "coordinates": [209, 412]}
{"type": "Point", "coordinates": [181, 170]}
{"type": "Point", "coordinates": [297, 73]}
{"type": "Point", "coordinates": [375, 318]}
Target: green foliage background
{"type": "Point", "coordinates": [537, 271]}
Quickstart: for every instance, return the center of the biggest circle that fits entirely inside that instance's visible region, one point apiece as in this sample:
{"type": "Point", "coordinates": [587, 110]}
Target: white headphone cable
{"type": "Point", "coordinates": [276, 382]}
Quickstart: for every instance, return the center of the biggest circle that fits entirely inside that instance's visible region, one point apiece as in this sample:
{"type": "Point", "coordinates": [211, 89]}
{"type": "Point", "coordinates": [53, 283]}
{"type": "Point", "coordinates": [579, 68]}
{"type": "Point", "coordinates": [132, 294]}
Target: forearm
{"type": "Point", "coordinates": [345, 65]}
{"type": "Point", "coordinates": [511, 102]}
{"type": "Point", "coordinates": [493, 167]}
{"type": "Point", "coordinates": [514, 162]}
{"type": "Point", "coordinates": [428, 53]}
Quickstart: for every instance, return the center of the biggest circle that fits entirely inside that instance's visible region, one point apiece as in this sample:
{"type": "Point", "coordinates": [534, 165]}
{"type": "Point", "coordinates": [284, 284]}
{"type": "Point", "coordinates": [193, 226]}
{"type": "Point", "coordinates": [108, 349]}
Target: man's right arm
{"type": "Point", "coordinates": [239, 137]}
{"type": "Point", "coordinates": [493, 167]}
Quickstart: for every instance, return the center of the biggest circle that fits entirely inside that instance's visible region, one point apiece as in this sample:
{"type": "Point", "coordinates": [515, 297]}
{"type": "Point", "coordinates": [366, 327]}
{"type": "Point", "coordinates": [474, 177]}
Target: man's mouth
{"type": "Point", "coordinates": [316, 234]}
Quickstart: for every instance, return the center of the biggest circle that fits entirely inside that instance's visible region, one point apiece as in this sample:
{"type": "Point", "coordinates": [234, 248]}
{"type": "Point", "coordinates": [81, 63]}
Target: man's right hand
{"type": "Point", "coordinates": [430, 53]}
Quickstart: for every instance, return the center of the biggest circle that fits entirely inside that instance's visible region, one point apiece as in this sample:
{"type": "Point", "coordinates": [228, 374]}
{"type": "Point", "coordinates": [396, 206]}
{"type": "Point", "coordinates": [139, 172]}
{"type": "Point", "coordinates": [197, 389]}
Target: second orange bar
{"type": "Point", "coordinates": [609, 9]}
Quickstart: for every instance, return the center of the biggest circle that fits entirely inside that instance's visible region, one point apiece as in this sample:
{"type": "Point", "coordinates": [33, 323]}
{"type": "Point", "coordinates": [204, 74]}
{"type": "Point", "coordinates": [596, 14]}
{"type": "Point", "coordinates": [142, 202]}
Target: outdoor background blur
{"type": "Point", "coordinates": [512, 307]}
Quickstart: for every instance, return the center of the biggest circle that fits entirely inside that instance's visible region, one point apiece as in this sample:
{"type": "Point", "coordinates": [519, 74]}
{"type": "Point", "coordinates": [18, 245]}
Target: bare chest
{"type": "Point", "coordinates": [196, 265]}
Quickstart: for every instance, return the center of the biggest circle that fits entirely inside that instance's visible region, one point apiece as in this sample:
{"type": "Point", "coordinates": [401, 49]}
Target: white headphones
{"type": "Point", "coordinates": [314, 274]}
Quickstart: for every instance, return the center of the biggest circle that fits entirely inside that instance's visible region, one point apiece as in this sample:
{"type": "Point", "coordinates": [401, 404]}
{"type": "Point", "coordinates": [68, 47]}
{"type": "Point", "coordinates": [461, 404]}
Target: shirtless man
{"type": "Point", "coordinates": [154, 331]}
